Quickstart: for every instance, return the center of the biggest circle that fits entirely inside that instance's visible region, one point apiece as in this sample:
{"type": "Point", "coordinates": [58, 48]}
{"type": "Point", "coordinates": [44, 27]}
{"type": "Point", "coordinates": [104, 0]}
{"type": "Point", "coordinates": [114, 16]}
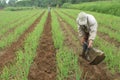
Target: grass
{"type": "Point", "coordinates": [25, 56]}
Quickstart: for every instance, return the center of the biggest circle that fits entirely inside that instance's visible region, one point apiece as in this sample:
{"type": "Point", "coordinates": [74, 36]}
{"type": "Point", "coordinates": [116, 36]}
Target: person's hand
{"type": "Point", "coordinates": [90, 43]}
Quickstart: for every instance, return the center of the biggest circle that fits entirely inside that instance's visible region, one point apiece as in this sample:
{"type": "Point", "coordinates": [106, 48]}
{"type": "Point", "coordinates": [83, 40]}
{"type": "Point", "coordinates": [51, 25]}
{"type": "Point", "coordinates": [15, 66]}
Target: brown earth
{"type": "Point", "coordinates": [8, 54]}
{"type": "Point", "coordinates": [11, 30]}
{"type": "Point", "coordinates": [44, 65]}
{"type": "Point", "coordinates": [89, 72]}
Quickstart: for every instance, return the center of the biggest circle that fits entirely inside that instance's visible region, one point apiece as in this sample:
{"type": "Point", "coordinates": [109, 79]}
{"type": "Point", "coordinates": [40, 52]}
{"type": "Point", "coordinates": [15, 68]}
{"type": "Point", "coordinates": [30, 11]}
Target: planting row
{"type": "Point", "coordinates": [12, 26]}
{"type": "Point", "coordinates": [67, 61]}
{"type": "Point", "coordinates": [24, 56]}
{"type": "Point", "coordinates": [10, 17]}
{"type": "Point", "coordinates": [6, 41]}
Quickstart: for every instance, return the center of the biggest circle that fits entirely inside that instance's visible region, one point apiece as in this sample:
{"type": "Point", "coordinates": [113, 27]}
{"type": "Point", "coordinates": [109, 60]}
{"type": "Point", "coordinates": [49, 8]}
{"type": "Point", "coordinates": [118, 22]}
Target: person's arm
{"type": "Point", "coordinates": [92, 33]}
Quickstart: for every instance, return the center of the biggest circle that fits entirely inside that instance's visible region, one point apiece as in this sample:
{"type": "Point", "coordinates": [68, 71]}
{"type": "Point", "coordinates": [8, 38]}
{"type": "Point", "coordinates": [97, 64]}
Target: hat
{"type": "Point", "coordinates": [82, 18]}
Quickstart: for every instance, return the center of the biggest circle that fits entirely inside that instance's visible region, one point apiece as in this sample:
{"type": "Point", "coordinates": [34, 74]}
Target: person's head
{"type": "Point", "coordinates": [82, 18]}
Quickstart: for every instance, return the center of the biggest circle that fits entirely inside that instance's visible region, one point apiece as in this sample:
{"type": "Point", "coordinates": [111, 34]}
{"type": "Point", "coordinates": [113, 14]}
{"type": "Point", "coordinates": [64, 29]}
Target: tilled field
{"type": "Point", "coordinates": [44, 65]}
{"type": "Point", "coordinates": [8, 53]}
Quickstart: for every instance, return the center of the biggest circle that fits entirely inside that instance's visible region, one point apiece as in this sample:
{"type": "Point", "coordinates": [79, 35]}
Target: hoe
{"type": "Point", "coordinates": [92, 55]}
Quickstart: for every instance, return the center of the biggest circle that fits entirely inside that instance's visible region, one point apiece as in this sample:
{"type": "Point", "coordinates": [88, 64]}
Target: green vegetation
{"type": "Point", "coordinates": [16, 16]}
{"type": "Point", "coordinates": [40, 3]}
{"type": "Point", "coordinates": [18, 8]}
{"type": "Point", "coordinates": [15, 23]}
{"type": "Point", "coordinates": [67, 61]}
{"type": "Point", "coordinates": [6, 41]}
{"type": "Point", "coordinates": [112, 53]}
{"type": "Point", "coordinates": [109, 7]}
{"type": "Point", "coordinates": [57, 33]}
{"type": "Point", "coordinates": [67, 19]}
{"type": "Point", "coordinates": [25, 56]}
{"type": "Point", "coordinates": [8, 18]}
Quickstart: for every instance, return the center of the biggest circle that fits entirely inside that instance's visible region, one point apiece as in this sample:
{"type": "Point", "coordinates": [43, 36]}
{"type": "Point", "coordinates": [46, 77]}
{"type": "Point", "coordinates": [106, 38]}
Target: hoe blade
{"type": "Point", "coordinates": [97, 59]}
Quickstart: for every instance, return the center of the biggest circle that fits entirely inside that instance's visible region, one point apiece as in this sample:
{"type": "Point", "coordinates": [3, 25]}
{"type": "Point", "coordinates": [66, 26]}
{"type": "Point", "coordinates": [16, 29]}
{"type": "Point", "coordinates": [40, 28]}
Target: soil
{"type": "Point", "coordinates": [8, 54]}
{"type": "Point", "coordinates": [44, 65]}
{"type": "Point", "coordinates": [89, 72]}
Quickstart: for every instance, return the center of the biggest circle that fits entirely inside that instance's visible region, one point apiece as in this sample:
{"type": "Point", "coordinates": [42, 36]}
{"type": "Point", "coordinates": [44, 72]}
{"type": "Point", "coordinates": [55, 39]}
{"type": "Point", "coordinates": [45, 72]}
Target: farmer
{"type": "Point", "coordinates": [87, 29]}
{"type": "Point", "coordinates": [49, 8]}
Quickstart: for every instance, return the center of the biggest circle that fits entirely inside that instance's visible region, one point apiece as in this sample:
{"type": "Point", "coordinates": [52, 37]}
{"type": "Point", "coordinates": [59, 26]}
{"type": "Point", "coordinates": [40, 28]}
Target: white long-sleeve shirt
{"type": "Point", "coordinates": [91, 27]}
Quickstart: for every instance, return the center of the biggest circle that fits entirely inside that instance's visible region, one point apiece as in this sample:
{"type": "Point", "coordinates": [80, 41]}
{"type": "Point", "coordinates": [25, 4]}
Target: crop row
{"type": "Point", "coordinates": [67, 61]}
{"type": "Point", "coordinates": [7, 17]}
{"type": "Point", "coordinates": [6, 41]}
{"type": "Point", "coordinates": [24, 57]}
{"type": "Point", "coordinates": [11, 26]}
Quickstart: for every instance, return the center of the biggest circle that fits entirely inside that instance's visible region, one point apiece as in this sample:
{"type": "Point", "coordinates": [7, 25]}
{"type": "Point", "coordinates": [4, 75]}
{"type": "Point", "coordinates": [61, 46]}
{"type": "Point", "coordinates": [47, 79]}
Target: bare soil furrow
{"type": "Point", "coordinates": [44, 65]}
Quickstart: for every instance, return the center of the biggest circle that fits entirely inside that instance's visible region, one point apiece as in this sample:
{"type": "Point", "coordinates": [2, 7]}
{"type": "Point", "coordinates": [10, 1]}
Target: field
{"type": "Point", "coordinates": [41, 45]}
